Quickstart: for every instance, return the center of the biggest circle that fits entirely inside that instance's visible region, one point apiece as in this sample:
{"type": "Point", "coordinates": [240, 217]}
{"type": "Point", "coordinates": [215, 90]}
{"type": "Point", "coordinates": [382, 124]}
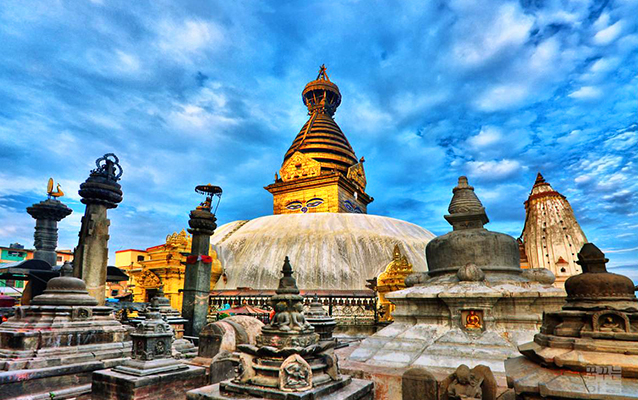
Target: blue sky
{"type": "Point", "coordinates": [210, 91]}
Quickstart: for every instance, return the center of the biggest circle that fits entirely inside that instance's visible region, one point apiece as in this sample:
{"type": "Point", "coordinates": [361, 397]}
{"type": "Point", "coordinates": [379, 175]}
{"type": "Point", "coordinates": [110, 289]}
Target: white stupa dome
{"type": "Point", "coordinates": [326, 250]}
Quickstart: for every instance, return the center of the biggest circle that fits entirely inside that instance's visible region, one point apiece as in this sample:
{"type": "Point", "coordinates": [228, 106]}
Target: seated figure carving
{"type": "Point", "coordinates": [465, 386]}
{"type": "Point", "coordinates": [281, 320]}
{"type": "Point", "coordinates": [609, 324]}
{"type": "Point", "coordinates": [298, 320]}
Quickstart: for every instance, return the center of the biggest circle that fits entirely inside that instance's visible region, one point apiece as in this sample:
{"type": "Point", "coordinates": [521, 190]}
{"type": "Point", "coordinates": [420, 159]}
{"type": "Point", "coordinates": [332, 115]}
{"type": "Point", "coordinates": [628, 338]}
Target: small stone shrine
{"type": "Point", "coordinates": [288, 361]}
{"type": "Point", "coordinates": [589, 349]}
{"type": "Point", "coordinates": [474, 305]}
{"type": "Point", "coordinates": [53, 345]}
{"type": "Point", "coordinates": [152, 372]}
{"type": "Point", "coordinates": [182, 348]}
{"type": "Point", "coordinates": [323, 323]}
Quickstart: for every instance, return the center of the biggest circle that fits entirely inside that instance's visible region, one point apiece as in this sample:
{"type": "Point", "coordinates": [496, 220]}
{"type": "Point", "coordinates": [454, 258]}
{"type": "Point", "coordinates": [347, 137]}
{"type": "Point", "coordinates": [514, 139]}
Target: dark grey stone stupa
{"type": "Point", "coordinates": [55, 344]}
{"type": "Point", "coordinates": [288, 361]}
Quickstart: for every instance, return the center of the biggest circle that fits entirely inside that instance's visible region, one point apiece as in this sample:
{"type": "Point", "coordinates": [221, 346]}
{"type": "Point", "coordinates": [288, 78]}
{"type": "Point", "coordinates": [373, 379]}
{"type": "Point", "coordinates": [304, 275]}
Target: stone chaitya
{"type": "Point", "coordinates": [182, 348]}
{"type": "Point", "coordinates": [288, 361]}
{"type": "Point", "coordinates": [323, 323]}
{"type": "Point", "coordinates": [55, 344]}
{"type": "Point", "coordinates": [473, 306]}
{"type": "Point", "coordinates": [589, 349]}
{"type": "Point", "coordinates": [152, 371]}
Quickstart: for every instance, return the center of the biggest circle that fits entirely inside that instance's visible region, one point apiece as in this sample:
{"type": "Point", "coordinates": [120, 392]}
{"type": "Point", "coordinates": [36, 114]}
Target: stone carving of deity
{"type": "Point", "coordinates": [465, 386]}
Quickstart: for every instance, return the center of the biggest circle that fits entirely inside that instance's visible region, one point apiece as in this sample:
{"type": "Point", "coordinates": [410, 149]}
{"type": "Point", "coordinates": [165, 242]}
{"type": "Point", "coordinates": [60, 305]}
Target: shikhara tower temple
{"type": "Point", "coordinates": [320, 220]}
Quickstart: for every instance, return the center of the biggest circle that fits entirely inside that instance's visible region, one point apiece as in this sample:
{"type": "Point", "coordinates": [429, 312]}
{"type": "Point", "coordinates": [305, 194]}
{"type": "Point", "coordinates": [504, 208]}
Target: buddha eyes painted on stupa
{"type": "Point", "coordinates": [298, 205]}
{"type": "Point", "coordinates": [351, 207]}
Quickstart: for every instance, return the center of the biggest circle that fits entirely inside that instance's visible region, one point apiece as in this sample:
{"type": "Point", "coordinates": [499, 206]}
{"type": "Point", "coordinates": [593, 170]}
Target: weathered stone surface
{"type": "Point", "coordinates": [470, 272]}
{"type": "Point", "coordinates": [419, 384]}
{"type": "Point", "coordinates": [540, 275]}
{"type": "Point", "coordinates": [113, 385]}
{"type": "Point", "coordinates": [251, 251]}
{"type": "Point", "coordinates": [353, 389]}
{"type": "Point", "coordinates": [99, 192]}
{"type": "Point", "coordinates": [223, 367]}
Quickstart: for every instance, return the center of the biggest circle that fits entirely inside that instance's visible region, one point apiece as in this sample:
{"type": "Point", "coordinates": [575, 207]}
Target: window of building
{"type": "Point", "coordinates": [114, 292]}
{"type": "Point", "coordinates": [140, 258]}
{"type": "Point", "coordinates": [59, 258]}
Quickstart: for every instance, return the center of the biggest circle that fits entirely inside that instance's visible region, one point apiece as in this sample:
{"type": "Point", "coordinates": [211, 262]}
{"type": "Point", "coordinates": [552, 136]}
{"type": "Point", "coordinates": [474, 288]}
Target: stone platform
{"type": "Point", "coordinates": [114, 385]}
{"type": "Point", "coordinates": [534, 382]}
{"type": "Point", "coordinates": [349, 389]}
{"type": "Point", "coordinates": [388, 380]}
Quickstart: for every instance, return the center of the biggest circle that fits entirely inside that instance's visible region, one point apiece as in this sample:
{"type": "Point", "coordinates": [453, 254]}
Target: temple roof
{"type": "Point", "coordinates": [321, 138]}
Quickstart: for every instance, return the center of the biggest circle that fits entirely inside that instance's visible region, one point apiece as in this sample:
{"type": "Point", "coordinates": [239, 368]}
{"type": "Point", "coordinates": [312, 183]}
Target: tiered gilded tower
{"type": "Point", "coordinates": [320, 172]}
{"type": "Point", "coordinates": [551, 235]}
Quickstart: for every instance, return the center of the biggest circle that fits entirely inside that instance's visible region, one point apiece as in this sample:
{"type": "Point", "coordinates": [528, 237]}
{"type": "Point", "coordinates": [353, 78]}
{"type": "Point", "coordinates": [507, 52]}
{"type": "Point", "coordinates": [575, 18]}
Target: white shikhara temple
{"type": "Point", "coordinates": [551, 235]}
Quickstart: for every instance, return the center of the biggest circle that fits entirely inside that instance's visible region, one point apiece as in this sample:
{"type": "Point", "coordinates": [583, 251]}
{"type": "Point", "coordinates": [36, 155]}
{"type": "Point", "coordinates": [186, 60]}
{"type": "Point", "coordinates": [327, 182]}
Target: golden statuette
{"type": "Point", "coordinates": [473, 321]}
{"type": "Point", "coordinates": [58, 190]}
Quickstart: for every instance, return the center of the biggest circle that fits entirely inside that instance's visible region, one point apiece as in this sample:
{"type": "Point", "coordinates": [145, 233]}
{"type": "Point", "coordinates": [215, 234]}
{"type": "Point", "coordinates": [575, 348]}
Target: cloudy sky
{"type": "Point", "coordinates": [210, 91]}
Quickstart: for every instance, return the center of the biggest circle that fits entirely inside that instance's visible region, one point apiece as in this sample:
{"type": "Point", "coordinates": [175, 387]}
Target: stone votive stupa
{"type": "Point", "coordinates": [152, 370]}
{"type": "Point", "coordinates": [589, 349]}
{"type": "Point", "coordinates": [288, 361]}
{"type": "Point", "coordinates": [53, 345]}
{"type": "Point", "coordinates": [474, 305]}
{"type": "Point", "coordinates": [323, 323]}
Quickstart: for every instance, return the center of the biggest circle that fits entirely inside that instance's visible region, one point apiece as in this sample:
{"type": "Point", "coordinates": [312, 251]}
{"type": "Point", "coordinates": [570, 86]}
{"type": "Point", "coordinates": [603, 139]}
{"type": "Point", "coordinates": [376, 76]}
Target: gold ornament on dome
{"type": "Point", "coordinates": [299, 166]}
{"type": "Point", "coordinates": [357, 174]}
{"type": "Point", "coordinates": [149, 279]}
{"type": "Point", "coordinates": [395, 272]}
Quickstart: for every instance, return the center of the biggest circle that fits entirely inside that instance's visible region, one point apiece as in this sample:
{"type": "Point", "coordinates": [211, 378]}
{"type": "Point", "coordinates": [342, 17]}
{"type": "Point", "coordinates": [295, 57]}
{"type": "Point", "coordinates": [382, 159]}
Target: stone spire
{"type": "Point", "coordinates": [47, 214]}
{"type": "Point", "coordinates": [551, 234]}
{"type": "Point", "coordinates": [466, 210]}
{"type": "Point", "coordinates": [99, 192]}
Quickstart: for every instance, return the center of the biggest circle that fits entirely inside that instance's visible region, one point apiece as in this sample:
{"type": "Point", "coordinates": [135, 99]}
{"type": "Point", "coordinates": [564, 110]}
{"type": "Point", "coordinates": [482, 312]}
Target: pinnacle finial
{"type": "Point", "coordinates": [539, 179]}
{"type": "Point", "coordinates": [466, 210]}
{"type": "Point", "coordinates": [287, 284]}
{"type": "Point", "coordinates": [592, 259]}
{"type": "Point", "coordinates": [323, 73]}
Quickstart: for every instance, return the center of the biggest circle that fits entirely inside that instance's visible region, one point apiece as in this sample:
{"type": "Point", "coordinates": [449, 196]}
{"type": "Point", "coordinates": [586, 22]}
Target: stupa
{"type": "Point", "coordinates": [53, 345]}
{"type": "Point", "coordinates": [589, 349]}
{"type": "Point", "coordinates": [320, 216]}
{"type": "Point", "coordinates": [391, 280]}
{"type": "Point", "coordinates": [288, 361]}
{"type": "Point", "coordinates": [551, 235]}
{"type": "Point", "coordinates": [473, 306]}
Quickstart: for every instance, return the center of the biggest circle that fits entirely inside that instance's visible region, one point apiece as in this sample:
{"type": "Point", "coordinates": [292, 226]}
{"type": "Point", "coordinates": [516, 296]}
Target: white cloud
{"type": "Point", "coordinates": [609, 34]}
{"type": "Point", "coordinates": [586, 93]}
{"type": "Point", "coordinates": [501, 97]}
{"type": "Point", "coordinates": [508, 28]}
{"type": "Point", "coordinates": [488, 136]}
{"type": "Point", "coordinates": [189, 38]}
{"type": "Point", "coordinates": [493, 170]}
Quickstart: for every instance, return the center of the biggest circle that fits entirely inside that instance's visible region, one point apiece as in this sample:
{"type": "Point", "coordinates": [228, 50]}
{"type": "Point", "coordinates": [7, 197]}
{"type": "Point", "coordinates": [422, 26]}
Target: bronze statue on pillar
{"type": "Point", "coordinates": [197, 276]}
{"type": "Point", "coordinates": [99, 192]}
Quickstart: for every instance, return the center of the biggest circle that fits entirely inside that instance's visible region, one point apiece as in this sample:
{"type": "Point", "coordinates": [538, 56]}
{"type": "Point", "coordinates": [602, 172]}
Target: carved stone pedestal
{"type": "Point", "coordinates": [152, 372]}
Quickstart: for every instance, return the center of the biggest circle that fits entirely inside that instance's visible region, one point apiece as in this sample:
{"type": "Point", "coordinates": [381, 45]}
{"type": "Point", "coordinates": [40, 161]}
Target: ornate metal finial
{"type": "Point", "coordinates": [466, 210]}
{"type": "Point", "coordinates": [51, 193]}
{"type": "Point", "coordinates": [323, 73]}
{"type": "Point", "coordinates": [209, 191]}
{"type": "Point", "coordinates": [109, 167]}
{"type": "Point", "coordinates": [592, 259]}
{"type": "Point", "coordinates": [321, 96]}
